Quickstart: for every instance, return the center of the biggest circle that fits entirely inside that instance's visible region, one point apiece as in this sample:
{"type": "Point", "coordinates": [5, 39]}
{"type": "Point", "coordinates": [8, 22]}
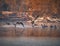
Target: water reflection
{"type": "Point", "coordinates": [42, 30]}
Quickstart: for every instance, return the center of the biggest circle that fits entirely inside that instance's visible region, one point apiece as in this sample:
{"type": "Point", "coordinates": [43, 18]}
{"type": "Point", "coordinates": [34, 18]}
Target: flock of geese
{"type": "Point", "coordinates": [33, 24]}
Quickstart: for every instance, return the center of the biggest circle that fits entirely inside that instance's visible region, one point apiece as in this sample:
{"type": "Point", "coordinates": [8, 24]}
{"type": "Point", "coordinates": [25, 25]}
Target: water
{"type": "Point", "coordinates": [52, 34]}
{"type": "Point", "coordinates": [29, 41]}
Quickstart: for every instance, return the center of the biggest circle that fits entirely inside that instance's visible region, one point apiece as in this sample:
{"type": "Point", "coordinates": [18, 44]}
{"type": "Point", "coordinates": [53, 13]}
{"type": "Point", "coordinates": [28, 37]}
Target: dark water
{"type": "Point", "coordinates": [29, 41]}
